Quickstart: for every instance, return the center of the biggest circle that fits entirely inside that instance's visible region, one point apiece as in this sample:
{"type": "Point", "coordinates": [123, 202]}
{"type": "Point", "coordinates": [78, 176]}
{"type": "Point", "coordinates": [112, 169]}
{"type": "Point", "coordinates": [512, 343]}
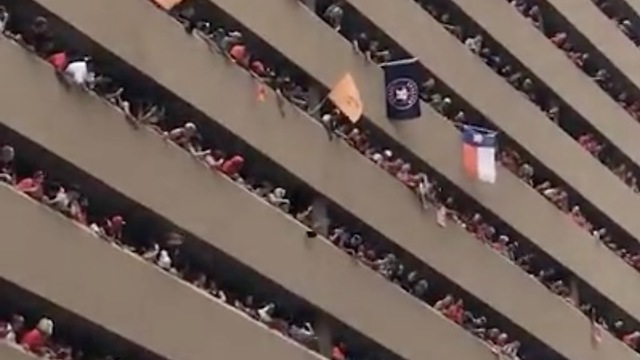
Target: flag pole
{"type": "Point", "coordinates": [399, 62]}
{"type": "Point", "coordinates": [319, 106]}
{"type": "Point", "coordinates": [478, 128]}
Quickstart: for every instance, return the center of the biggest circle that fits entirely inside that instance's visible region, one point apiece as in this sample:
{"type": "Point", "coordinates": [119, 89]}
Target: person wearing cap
{"type": "Point", "coordinates": [183, 135]}
{"type": "Point", "coordinates": [35, 340]}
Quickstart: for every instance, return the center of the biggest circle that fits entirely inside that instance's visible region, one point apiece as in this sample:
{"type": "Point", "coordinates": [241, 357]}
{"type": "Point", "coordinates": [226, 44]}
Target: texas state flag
{"type": "Point", "coordinates": [479, 153]}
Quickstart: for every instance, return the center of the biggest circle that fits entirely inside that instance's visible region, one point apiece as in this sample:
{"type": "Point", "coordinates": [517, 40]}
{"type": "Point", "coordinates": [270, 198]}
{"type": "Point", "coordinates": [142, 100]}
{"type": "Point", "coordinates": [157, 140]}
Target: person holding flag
{"type": "Point", "coordinates": [345, 96]}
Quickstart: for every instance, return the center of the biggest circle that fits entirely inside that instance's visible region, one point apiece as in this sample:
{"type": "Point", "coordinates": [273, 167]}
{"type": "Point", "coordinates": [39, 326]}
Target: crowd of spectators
{"type": "Point", "coordinates": [617, 89]}
{"type": "Point", "coordinates": [535, 92]}
{"type": "Point", "coordinates": [69, 201]}
{"type": "Point", "coordinates": [162, 250]}
{"type": "Point", "coordinates": [36, 338]}
{"type": "Point", "coordinates": [165, 251]}
{"type": "Point", "coordinates": [514, 161]}
{"type": "Point", "coordinates": [233, 44]}
{"type": "Point", "coordinates": [482, 228]}
{"type": "Point", "coordinates": [589, 141]}
{"type": "Point", "coordinates": [561, 36]}
{"type": "Point", "coordinates": [425, 187]}
{"type": "Point", "coordinates": [85, 74]}
{"type": "Point", "coordinates": [625, 24]}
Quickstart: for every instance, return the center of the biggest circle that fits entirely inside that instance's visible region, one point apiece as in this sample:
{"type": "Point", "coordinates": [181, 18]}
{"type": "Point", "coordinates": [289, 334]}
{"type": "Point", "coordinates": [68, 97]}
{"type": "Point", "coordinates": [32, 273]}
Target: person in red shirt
{"type": "Point", "coordinates": [58, 60]}
{"type": "Point", "coordinates": [33, 186]}
{"type": "Point", "coordinates": [455, 312]}
{"type": "Point", "coordinates": [232, 167]}
{"type": "Point", "coordinates": [632, 339]}
{"type": "Point", "coordinates": [257, 67]}
{"type": "Point", "coordinates": [559, 39]}
{"type": "Point", "coordinates": [338, 352]}
{"type": "Point", "coordinates": [239, 54]}
{"type": "Point", "coordinates": [114, 226]}
{"type": "Point", "coordinates": [35, 340]}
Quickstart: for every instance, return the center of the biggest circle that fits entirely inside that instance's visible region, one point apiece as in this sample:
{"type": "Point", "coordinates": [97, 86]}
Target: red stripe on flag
{"type": "Point", "coordinates": [470, 159]}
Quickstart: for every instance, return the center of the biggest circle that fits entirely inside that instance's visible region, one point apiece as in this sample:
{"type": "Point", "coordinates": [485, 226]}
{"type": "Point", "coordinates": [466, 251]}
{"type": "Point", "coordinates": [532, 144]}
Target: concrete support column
{"type": "Point", "coordinates": [575, 292]}
{"type": "Point", "coordinates": [309, 3]}
{"type": "Point", "coordinates": [325, 337]}
{"type": "Point", "coordinates": [320, 217]}
{"type": "Point", "coordinates": [315, 98]}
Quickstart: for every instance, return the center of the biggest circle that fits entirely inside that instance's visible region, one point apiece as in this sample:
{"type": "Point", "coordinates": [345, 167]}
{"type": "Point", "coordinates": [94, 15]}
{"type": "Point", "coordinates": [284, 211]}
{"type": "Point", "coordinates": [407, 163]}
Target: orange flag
{"type": "Point", "coordinates": [167, 4]}
{"type": "Point", "coordinates": [346, 97]}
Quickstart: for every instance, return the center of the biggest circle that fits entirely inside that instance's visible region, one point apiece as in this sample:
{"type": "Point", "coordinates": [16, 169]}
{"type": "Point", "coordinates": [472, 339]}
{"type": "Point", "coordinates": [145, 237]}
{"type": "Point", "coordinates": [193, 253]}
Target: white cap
{"type": "Point", "coordinates": [45, 325]}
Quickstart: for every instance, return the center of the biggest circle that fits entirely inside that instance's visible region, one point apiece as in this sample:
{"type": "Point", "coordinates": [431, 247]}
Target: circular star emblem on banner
{"type": "Point", "coordinates": [402, 93]}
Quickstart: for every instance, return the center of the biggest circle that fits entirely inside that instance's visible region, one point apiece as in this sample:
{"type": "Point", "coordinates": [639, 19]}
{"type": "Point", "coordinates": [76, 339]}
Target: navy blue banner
{"type": "Point", "coordinates": [401, 89]}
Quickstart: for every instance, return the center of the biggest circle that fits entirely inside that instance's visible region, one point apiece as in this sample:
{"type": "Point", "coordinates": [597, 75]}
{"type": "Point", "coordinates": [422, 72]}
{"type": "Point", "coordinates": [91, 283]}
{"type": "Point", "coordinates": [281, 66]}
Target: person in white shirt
{"type": "Point", "coordinates": [60, 201]}
{"type": "Point", "coordinates": [4, 19]}
{"type": "Point", "coordinates": [78, 72]}
{"type": "Point", "coordinates": [278, 198]}
{"type": "Point", "coordinates": [9, 330]}
{"type": "Point", "coordinates": [377, 158]}
{"type": "Point", "coordinates": [474, 43]}
{"type": "Point", "coordinates": [334, 14]}
{"type": "Point", "coordinates": [96, 229]}
{"type": "Point", "coordinates": [305, 334]}
{"type": "Point", "coordinates": [425, 188]}
{"type": "Point", "coordinates": [510, 350]}
{"type": "Point", "coordinates": [164, 260]}
{"type": "Point", "coordinates": [265, 314]}
{"type": "Point", "coordinates": [152, 253]}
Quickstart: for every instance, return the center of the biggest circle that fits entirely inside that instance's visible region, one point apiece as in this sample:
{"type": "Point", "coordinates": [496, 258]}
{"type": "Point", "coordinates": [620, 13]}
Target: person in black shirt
{"type": "Point", "coordinates": [185, 13]}
{"type": "Point", "coordinates": [362, 43]}
{"type": "Point", "coordinates": [39, 37]}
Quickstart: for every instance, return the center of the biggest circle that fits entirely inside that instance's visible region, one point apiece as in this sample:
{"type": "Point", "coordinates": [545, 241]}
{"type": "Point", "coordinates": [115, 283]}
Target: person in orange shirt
{"type": "Point", "coordinates": [33, 186]}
